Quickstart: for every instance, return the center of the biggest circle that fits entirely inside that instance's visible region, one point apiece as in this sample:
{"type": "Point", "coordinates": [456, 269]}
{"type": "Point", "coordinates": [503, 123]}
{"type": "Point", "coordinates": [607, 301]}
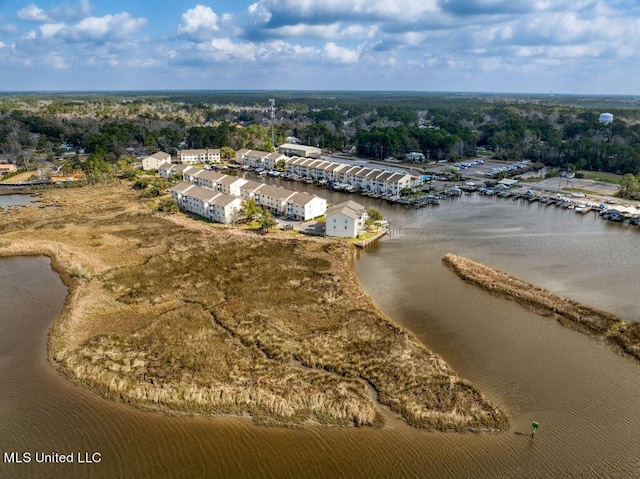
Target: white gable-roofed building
{"type": "Point", "coordinates": [168, 170]}
{"type": "Point", "coordinates": [197, 200]}
{"type": "Point", "coordinates": [358, 178]}
{"type": "Point", "coordinates": [303, 206]}
{"type": "Point", "coordinates": [209, 179]}
{"type": "Point", "coordinates": [288, 163]}
{"type": "Point", "coordinates": [380, 182]}
{"type": "Point", "coordinates": [399, 181]}
{"type": "Point", "coordinates": [346, 220]}
{"type": "Point", "coordinates": [223, 207]}
{"type": "Point", "coordinates": [230, 185]}
{"type": "Point", "coordinates": [208, 203]}
{"type": "Point", "coordinates": [332, 172]}
{"type": "Point", "coordinates": [240, 154]}
{"type": "Point", "coordinates": [249, 189]}
{"type": "Point", "coordinates": [295, 165]}
{"type": "Point", "coordinates": [156, 160]}
{"type": "Point", "coordinates": [274, 198]}
{"type": "Point", "coordinates": [252, 158]}
{"type": "Point", "coordinates": [272, 159]}
{"type": "Point", "coordinates": [292, 149]}
{"type": "Point", "coordinates": [316, 169]}
{"type": "Point", "coordinates": [192, 174]}
{"type": "Point", "coordinates": [347, 173]}
{"type": "Point", "coordinates": [178, 191]}
{"type": "Point", "coordinates": [199, 156]}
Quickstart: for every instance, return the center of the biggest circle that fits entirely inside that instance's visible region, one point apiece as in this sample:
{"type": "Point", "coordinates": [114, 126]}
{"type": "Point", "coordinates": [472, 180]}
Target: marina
{"type": "Point", "coordinates": [576, 202]}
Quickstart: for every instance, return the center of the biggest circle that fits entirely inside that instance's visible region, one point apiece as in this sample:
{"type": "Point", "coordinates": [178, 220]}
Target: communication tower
{"type": "Point", "coordinates": [272, 103]}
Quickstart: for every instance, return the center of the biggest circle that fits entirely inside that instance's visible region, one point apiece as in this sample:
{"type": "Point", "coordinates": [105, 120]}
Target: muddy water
{"type": "Point", "coordinates": [584, 395]}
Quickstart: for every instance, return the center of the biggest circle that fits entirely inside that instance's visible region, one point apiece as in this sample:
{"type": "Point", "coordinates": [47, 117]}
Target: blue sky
{"type": "Point", "coordinates": [537, 46]}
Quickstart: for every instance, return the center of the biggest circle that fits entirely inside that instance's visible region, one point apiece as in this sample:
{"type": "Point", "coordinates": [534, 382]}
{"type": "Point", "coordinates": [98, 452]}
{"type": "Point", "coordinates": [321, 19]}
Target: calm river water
{"type": "Point", "coordinates": [584, 396]}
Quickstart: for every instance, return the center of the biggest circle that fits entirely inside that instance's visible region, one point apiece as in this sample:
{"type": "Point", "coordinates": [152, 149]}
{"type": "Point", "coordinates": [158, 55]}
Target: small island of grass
{"type": "Point", "coordinates": [625, 336]}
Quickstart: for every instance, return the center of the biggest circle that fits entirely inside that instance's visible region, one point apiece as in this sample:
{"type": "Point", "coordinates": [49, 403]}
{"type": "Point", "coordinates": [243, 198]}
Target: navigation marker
{"type": "Point", "coordinates": [534, 426]}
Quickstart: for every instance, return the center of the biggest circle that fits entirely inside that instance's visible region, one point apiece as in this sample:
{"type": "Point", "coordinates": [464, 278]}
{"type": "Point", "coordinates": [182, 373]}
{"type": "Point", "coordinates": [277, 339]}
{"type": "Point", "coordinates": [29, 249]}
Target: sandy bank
{"type": "Point", "coordinates": [625, 336]}
{"type": "Point", "coordinates": [171, 314]}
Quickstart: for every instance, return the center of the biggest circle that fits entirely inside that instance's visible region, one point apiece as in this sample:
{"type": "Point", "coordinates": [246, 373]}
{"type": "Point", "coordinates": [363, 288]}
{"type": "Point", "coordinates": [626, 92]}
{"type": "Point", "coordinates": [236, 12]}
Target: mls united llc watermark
{"type": "Point", "coordinates": [51, 458]}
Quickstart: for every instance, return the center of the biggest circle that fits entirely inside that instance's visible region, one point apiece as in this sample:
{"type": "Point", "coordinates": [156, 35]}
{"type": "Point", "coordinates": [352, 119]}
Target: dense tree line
{"type": "Point", "coordinates": [562, 132]}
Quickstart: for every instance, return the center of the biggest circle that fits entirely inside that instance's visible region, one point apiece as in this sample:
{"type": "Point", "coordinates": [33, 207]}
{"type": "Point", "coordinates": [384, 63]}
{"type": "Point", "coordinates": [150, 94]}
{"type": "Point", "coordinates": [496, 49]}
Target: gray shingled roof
{"type": "Point", "coordinates": [202, 194]}
{"type": "Point", "coordinates": [223, 200]}
{"type": "Point", "coordinates": [301, 198]}
{"type": "Point", "coordinates": [211, 175]}
{"type": "Point", "coordinates": [181, 187]}
{"type": "Point", "coordinates": [275, 192]}
{"type": "Point", "coordinates": [348, 208]}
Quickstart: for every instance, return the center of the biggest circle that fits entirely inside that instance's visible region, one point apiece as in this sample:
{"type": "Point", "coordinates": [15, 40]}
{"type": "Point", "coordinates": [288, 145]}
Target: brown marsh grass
{"type": "Point", "coordinates": [172, 314]}
{"type": "Point", "coordinates": [600, 324]}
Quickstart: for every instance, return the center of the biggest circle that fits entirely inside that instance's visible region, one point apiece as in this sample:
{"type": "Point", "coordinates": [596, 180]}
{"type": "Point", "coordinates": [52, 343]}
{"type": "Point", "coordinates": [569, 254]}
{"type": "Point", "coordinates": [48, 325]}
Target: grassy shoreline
{"type": "Point", "coordinates": [170, 314]}
{"type": "Point", "coordinates": [624, 336]}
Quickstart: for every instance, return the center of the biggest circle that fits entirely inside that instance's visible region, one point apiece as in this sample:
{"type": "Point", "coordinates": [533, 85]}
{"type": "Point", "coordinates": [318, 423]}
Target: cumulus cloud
{"type": "Point", "coordinates": [334, 31]}
{"type": "Point", "coordinates": [408, 36]}
{"type": "Point", "coordinates": [95, 29]}
{"type": "Point", "coordinates": [198, 23]}
{"type": "Point", "coordinates": [68, 11]}
{"type": "Point", "coordinates": [49, 30]}
{"type": "Point", "coordinates": [63, 12]}
{"type": "Point", "coordinates": [275, 13]}
{"type": "Point", "coordinates": [339, 54]}
{"type": "Point", "coordinates": [226, 51]}
{"type": "Point", "coordinates": [109, 27]}
{"type": "Point", "coordinates": [33, 13]}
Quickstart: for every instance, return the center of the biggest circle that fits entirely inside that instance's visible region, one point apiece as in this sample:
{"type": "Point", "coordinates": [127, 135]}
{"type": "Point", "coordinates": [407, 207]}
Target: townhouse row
{"type": "Point", "coordinates": [361, 178]}
{"type": "Point", "coordinates": [185, 157]}
{"type": "Point", "coordinates": [280, 201]}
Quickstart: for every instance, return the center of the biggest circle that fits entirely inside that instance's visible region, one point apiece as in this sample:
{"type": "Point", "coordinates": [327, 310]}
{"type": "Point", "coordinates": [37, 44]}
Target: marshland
{"type": "Point", "coordinates": [170, 314]}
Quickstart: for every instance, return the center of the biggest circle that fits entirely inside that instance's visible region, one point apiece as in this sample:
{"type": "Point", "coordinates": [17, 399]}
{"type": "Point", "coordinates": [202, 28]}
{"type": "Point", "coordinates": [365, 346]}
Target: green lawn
{"type": "Point", "coordinates": [602, 176]}
{"type": "Point", "coordinates": [580, 190]}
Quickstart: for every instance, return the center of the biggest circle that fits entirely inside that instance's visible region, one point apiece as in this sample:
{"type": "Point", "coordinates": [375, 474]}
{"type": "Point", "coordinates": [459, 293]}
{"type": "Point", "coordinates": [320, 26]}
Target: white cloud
{"type": "Point", "coordinates": [68, 11]}
{"type": "Point", "coordinates": [33, 13]}
{"type": "Point", "coordinates": [49, 30]}
{"type": "Point", "coordinates": [63, 12]}
{"type": "Point", "coordinates": [198, 23]}
{"type": "Point", "coordinates": [334, 31]}
{"type": "Point", "coordinates": [107, 28]}
{"type": "Point", "coordinates": [56, 61]}
{"type": "Point", "coordinates": [339, 54]}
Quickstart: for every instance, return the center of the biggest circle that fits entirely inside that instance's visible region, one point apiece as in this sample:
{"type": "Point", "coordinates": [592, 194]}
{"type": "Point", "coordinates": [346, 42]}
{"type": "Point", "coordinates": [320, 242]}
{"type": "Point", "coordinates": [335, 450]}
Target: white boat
{"type": "Point", "coordinates": [581, 208]}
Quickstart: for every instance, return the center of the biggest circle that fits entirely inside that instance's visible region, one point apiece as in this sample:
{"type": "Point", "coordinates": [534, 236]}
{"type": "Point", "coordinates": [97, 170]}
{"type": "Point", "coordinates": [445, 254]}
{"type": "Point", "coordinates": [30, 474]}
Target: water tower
{"type": "Point", "coordinates": [606, 118]}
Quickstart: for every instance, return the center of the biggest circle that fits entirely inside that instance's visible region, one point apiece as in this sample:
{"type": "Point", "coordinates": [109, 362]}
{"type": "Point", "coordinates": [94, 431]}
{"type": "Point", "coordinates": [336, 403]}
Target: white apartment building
{"type": "Point", "coordinates": [178, 191]}
{"type": "Point", "coordinates": [303, 206]}
{"type": "Point", "coordinates": [199, 156]}
{"type": "Point", "coordinates": [230, 185]}
{"type": "Point", "coordinates": [156, 160]}
{"type": "Point", "coordinates": [249, 189]}
{"type": "Point", "coordinates": [253, 158]}
{"type": "Point", "coordinates": [272, 159]}
{"type": "Point", "coordinates": [208, 179]}
{"type": "Point", "coordinates": [274, 198]}
{"type": "Point", "coordinates": [346, 220]}
{"type": "Point", "coordinates": [168, 170]}
{"type": "Point", "coordinates": [278, 200]}
{"type": "Point", "coordinates": [209, 204]}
